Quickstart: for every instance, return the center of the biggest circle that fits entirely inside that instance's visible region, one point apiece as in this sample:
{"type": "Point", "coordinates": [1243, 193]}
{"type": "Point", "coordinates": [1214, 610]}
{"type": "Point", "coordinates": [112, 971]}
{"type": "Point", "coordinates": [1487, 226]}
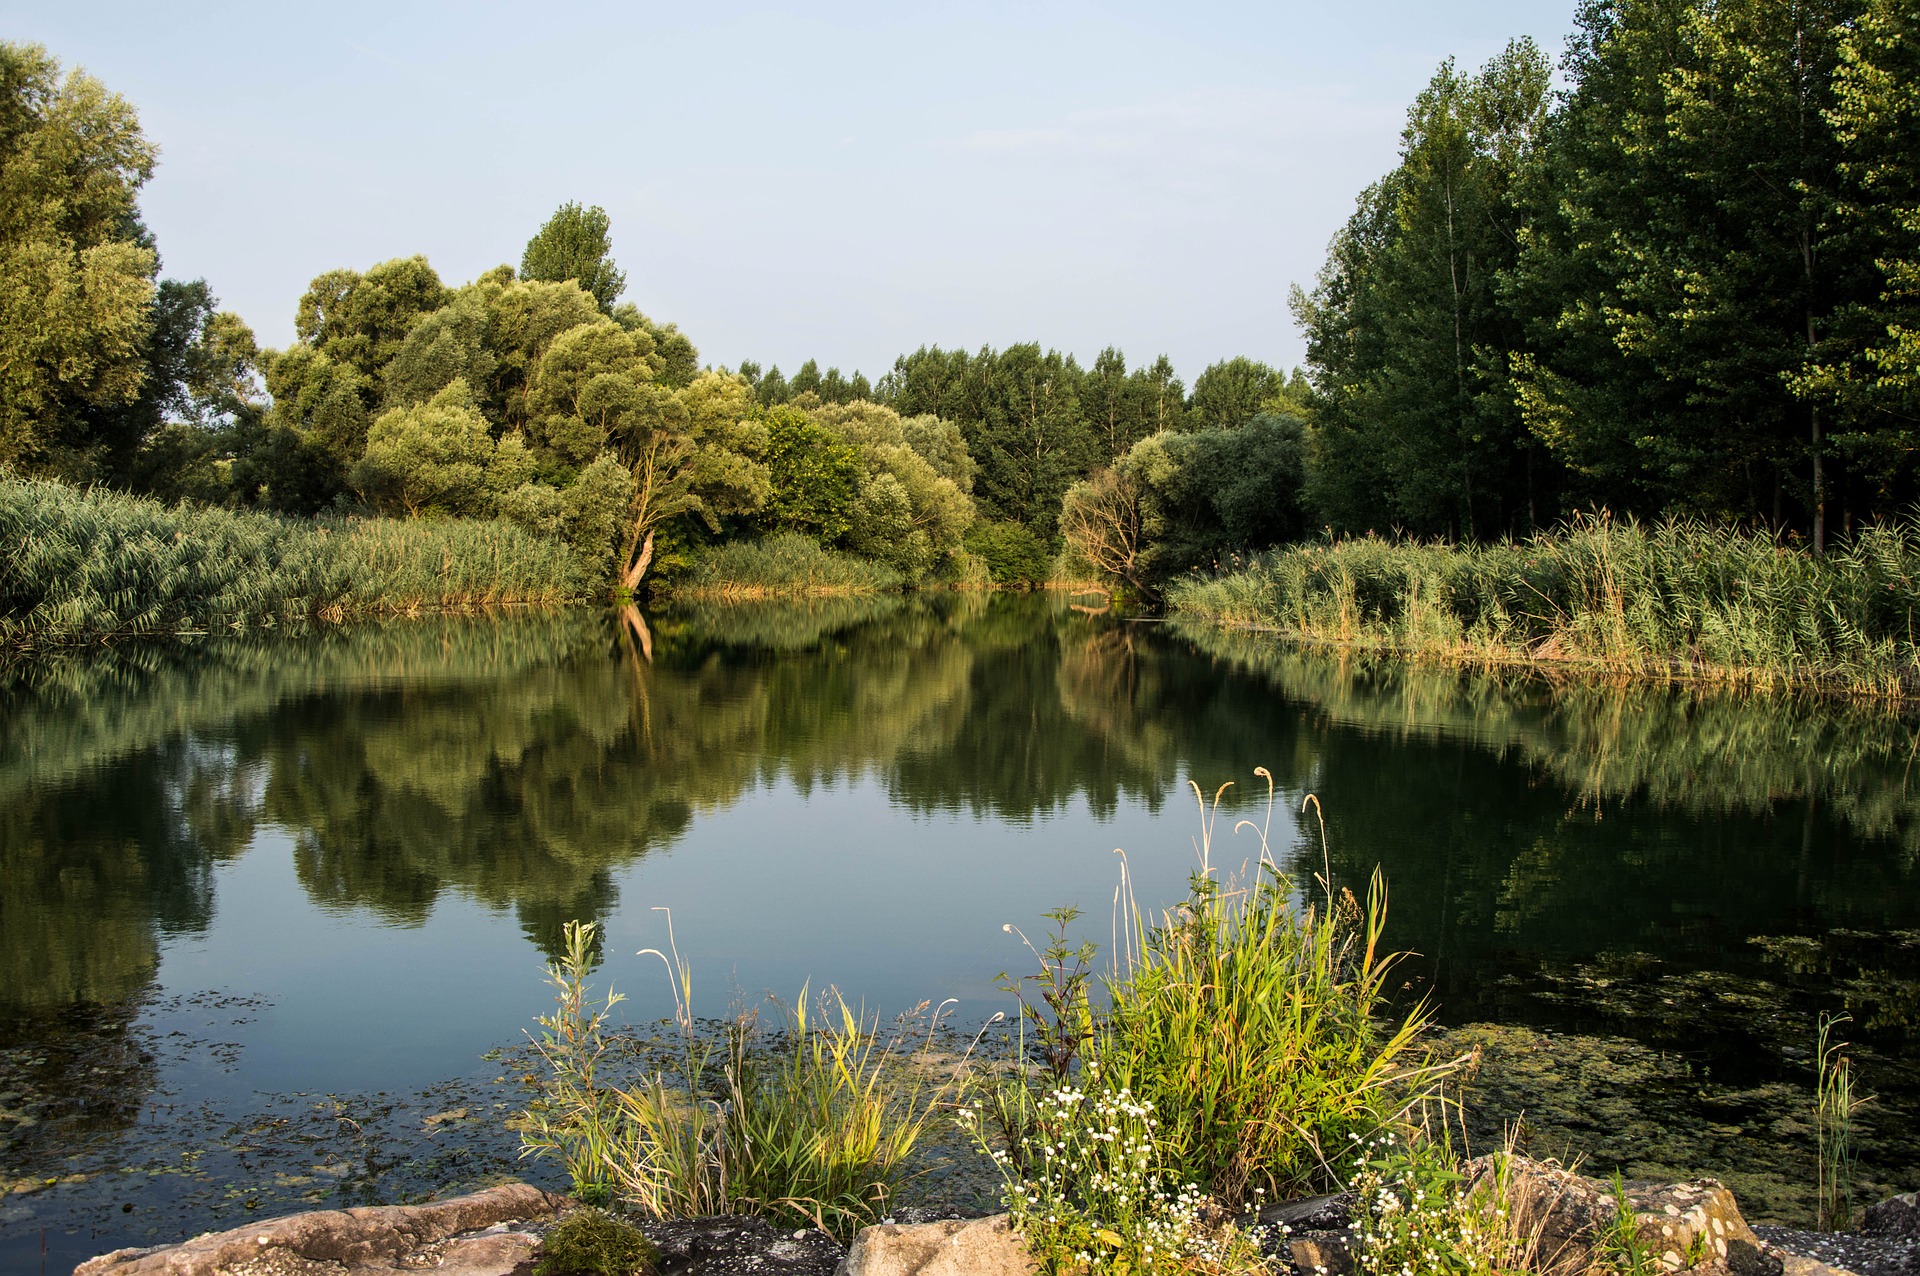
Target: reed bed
{"type": "Point", "coordinates": [79, 566]}
{"type": "Point", "coordinates": [786, 565]}
{"type": "Point", "coordinates": [1675, 599]}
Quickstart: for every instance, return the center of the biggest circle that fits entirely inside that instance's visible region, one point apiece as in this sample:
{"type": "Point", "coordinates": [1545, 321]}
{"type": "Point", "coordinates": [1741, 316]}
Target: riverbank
{"type": "Point", "coordinates": [1673, 601]}
{"type": "Point", "coordinates": [83, 566]}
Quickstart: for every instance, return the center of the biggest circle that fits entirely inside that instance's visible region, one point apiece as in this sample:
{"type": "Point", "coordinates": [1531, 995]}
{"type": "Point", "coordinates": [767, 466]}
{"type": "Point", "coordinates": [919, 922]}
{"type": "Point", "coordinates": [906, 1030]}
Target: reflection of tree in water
{"type": "Point", "coordinates": [91, 876]}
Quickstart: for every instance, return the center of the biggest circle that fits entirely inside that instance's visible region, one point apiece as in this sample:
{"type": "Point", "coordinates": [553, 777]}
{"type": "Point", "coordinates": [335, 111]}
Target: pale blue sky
{"type": "Point", "coordinates": [844, 184]}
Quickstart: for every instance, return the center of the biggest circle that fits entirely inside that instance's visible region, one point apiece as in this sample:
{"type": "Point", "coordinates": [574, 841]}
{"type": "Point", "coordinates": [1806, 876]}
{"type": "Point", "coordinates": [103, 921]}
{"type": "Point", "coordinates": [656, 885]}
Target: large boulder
{"type": "Point", "coordinates": [954, 1247]}
{"type": "Point", "coordinates": [467, 1236]}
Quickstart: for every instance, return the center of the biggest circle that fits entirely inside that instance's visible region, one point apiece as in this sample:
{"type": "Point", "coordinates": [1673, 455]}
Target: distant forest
{"type": "Point", "coordinates": [1685, 281]}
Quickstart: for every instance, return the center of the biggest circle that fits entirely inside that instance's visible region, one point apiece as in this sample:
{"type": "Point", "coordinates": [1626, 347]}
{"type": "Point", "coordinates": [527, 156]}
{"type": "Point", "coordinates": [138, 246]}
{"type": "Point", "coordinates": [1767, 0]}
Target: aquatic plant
{"type": "Point", "coordinates": [1672, 599]}
{"type": "Point", "coordinates": [1833, 1109]}
{"type": "Point", "coordinates": [82, 565]}
{"type": "Point", "coordinates": [813, 1131]}
{"type": "Point", "coordinates": [781, 566]}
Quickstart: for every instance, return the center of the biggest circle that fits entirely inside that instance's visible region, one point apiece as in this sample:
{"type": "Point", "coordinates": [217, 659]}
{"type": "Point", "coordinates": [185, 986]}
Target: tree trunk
{"type": "Point", "coordinates": [630, 579]}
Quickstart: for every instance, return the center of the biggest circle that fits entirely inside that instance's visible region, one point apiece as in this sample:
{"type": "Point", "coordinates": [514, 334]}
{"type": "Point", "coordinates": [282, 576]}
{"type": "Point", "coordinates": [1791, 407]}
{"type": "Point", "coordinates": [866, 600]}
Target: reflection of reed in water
{"type": "Point", "coordinates": [1696, 750]}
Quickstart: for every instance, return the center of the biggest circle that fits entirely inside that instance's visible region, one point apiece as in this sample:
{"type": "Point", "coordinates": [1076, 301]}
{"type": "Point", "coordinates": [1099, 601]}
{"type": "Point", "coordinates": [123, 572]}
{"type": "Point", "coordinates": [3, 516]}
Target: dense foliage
{"type": "Point", "coordinates": [1687, 283]}
{"type": "Point", "coordinates": [1683, 285]}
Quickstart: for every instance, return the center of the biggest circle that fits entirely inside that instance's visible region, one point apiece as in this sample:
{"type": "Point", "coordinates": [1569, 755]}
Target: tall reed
{"type": "Point", "coordinates": [1673, 599]}
{"type": "Point", "coordinates": [787, 565]}
{"type": "Point", "coordinates": [82, 565]}
{"type": "Point", "coordinates": [1833, 1109]}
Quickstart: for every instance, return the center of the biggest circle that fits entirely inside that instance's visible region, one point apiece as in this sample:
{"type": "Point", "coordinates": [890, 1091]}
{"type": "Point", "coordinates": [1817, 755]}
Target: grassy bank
{"type": "Point", "coordinates": [78, 566]}
{"type": "Point", "coordinates": [1674, 600]}
{"type": "Point", "coordinates": [783, 566]}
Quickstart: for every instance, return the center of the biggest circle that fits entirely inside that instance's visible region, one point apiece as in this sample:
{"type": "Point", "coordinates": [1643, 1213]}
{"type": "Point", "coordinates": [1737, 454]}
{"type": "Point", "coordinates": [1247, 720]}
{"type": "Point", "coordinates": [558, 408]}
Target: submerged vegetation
{"type": "Point", "coordinates": [1671, 599]}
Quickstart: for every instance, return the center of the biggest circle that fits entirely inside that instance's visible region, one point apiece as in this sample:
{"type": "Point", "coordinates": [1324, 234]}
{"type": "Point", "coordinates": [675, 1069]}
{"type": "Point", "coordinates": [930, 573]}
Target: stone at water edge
{"type": "Point", "coordinates": [1896, 1216]}
{"type": "Point", "coordinates": [465, 1236]}
{"type": "Point", "coordinates": [955, 1247]}
{"type": "Point", "coordinates": [1694, 1226]}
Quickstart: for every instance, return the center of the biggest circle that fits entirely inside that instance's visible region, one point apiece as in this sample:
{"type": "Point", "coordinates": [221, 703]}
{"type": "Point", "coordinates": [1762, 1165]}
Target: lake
{"type": "Point", "coordinates": [274, 908]}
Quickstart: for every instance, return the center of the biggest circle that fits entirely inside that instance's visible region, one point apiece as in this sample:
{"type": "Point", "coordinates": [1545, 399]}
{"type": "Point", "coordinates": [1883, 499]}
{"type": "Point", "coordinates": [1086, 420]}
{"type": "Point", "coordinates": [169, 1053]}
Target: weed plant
{"type": "Point", "coordinates": [815, 1131]}
{"type": "Point", "coordinates": [787, 565]}
{"type": "Point", "coordinates": [1833, 1109]}
{"type": "Point", "coordinates": [1247, 1018]}
{"type": "Point", "coordinates": [1085, 1190]}
{"type": "Point", "coordinates": [78, 566]}
{"type": "Point", "coordinates": [1673, 599]}
{"type": "Point", "coordinates": [1412, 1213]}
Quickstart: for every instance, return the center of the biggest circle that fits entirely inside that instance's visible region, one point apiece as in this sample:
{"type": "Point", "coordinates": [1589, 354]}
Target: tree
{"type": "Point", "coordinates": [1230, 393]}
{"type": "Point", "coordinates": [813, 474]}
{"type": "Point", "coordinates": [1102, 524]}
{"type": "Point", "coordinates": [76, 266]}
{"type": "Point", "coordinates": [431, 458]}
{"type": "Point", "coordinates": [1872, 378]}
{"type": "Point", "coordinates": [574, 244]}
{"type": "Point", "coordinates": [1407, 335]}
{"type": "Point", "coordinates": [363, 320]}
{"type": "Point", "coordinates": [1687, 271]}
{"type": "Point", "coordinates": [909, 511]}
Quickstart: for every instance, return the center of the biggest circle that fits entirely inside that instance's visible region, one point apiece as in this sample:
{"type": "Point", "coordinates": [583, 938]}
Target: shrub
{"type": "Point", "coordinates": [1014, 556]}
{"type": "Point", "coordinates": [591, 1242]}
{"type": "Point", "coordinates": [810, 1132]}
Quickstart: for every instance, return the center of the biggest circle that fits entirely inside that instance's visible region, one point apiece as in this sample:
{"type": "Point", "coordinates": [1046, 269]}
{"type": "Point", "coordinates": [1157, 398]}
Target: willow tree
{"type": "Point", "coordinates": [76, 268]}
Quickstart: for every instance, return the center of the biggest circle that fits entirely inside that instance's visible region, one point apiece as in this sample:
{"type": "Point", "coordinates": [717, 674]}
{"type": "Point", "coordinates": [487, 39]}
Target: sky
{"type": "Point", "coordinates": [838, 182]}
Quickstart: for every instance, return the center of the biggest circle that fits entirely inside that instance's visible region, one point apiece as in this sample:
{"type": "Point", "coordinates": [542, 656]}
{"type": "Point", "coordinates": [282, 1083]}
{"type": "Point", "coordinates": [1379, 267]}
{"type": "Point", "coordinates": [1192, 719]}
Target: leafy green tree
{"type": "Point", "coordinates": [453, 342]}
{"type": "Point", "coordinates": [574, 244]}
{"type": "Point", "coordinates": [1121, 408]}
{"type": "Point", "coordinates": [1031, 442]}
{"type": "Point", "coordinates": [909, 512]}
{"type": "Point", "coordinates": [1231, 393]}
{"type": "Point", "coordinates": [1206, 496]}
{"type": "Point", "coordinates": [76, 266]}
{"type": "Point", "coordinates": [1872, 377]}
{"type": "Point", "coordinates": [1686, 265]}
{"type": "Point", "coordinates": [362, 321]}
{"type": "Point", "coordinates": [1161, 397]}
{"type": "Point", "coordinates": [814, 476]}
{"type": "Point", "coordinates": [1407, 335]}
{"type": "Point", "coordinates": [679, 361]}
{"type": "Point", "coordinates": [430, 458]}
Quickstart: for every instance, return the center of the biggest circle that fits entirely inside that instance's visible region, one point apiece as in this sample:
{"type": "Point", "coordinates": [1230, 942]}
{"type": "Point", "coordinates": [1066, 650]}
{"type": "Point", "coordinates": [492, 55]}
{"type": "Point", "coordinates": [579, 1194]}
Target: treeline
{"type": "Point", "coordinates": [1688, 283]}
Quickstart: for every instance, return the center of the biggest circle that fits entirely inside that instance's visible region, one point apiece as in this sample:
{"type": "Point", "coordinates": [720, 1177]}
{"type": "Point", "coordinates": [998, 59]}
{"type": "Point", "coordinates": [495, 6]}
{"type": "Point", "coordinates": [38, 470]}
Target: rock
{"type": "Point", "coordinates": [1896, 1216]}
{"type": "Point", "coordinates": [1324, 1251]}
{"type": "Point", "coordinates": [1694, 1226]}
{"type": "Point", "coordinates": [469, 1235]}
{"type": "Point", "coordinates": [722, 1245]}
{"type": "Point", "coordinates": [1565, 1213]}
{"type": "Point", "coordinates": [955, 1247]}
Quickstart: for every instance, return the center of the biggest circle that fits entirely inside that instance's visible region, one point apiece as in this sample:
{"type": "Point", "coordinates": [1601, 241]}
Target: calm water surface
{"type": "Point", "coordinates": [273, 911]}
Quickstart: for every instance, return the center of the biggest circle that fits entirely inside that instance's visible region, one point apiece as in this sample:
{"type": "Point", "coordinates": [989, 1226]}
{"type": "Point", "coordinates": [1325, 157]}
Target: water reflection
{"type": "Point", "coordinates": [1579, 857]}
